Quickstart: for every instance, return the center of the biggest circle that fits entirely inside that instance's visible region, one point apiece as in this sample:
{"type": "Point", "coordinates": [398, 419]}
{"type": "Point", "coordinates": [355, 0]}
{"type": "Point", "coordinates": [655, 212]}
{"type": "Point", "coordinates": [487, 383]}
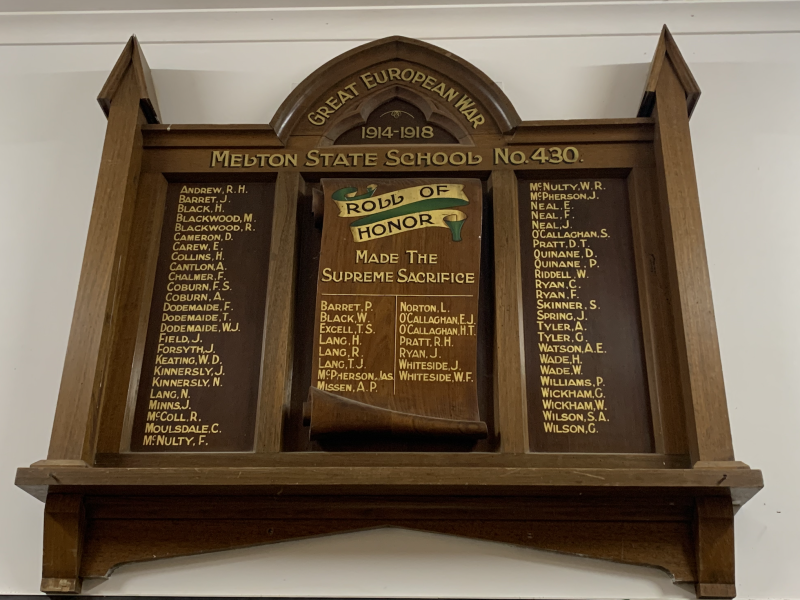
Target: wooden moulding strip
{"type": "Point", "coordinates": [277, 353]}
{"type": "Point", "coordinates": [464, 479]}
{"type": "Point", "coordinates": [510, 401]}
{"type": "Point", "coordinates": [403, 459]}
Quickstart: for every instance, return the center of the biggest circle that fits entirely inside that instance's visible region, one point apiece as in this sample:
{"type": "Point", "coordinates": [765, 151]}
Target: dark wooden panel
{"type": "Point", "coordinates": [587, 390]}
{"type": "Point", "coordinates": [201, 367]}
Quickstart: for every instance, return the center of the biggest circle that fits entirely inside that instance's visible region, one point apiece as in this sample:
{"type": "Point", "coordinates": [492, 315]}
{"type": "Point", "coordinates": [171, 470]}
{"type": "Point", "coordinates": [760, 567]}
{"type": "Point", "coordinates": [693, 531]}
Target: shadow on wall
{"type": "Point", "coordinates": [217, 97]}
{"type": "Point", "coordinates": [619, 89]}
{"type": "Point", "coordinates": [563, 92]}
{"type": "Point", "coordinates": [390, 562]}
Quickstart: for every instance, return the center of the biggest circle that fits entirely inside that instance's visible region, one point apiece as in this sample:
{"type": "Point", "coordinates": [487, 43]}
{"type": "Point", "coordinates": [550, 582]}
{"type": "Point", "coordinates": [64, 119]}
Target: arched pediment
{"type": "Point", "coordinates": [460, 88]}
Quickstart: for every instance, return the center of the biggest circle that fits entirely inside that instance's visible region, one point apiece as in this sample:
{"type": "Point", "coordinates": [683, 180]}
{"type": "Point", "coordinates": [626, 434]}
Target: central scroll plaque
{"type": "Point", "coordinates": [395, 338]}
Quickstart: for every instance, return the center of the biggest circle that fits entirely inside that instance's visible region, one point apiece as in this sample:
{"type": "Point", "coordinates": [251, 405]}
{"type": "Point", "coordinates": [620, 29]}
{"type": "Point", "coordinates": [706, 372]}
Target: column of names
{"type": "Point", "coordinates": [197, 388]}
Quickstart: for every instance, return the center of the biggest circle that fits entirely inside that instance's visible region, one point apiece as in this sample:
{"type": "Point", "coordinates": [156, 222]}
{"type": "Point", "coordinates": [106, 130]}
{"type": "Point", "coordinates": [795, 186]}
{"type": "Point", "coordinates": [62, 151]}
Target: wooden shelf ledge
{"type": "Point", "coordinates": [743, 483]}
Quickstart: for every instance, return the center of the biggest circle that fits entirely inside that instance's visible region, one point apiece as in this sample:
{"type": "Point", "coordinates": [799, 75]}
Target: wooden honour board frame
{"type": "Point", "coordinates": [671, 508]}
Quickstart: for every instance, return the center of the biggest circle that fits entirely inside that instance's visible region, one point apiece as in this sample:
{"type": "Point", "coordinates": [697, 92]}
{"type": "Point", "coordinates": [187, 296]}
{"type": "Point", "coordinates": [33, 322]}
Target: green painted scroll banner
{"type": "Point", "coordinates": [403, 210]}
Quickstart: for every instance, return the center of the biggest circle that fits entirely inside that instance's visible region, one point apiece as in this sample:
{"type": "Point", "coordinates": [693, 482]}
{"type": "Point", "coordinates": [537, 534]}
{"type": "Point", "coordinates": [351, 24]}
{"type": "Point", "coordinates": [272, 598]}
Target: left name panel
{"type": "Point", "coordinates": [199, 383]}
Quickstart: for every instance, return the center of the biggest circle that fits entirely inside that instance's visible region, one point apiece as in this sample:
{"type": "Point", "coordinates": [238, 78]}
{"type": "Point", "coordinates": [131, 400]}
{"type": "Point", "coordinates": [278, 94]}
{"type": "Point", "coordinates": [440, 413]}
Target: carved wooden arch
{"type": "Point", "coordinates": [359, 114]}
{"type": "Point", "coordinates": [475, 82]}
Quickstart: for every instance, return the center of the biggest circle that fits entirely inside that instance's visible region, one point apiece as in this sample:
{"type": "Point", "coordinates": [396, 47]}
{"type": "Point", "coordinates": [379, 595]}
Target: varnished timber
{"type": "Point", "coordinates": [381, 480]}
{"type": "Point", "coordinates": [276, 374]}
{"type": "Point", "coordinates": [511, 420]}
{"type": "Point", "coordinates": [700, 366]}
{"type": "Point", "coordinates": [62, 548]}
{"type": "Point", "coordinates": [88, 349]}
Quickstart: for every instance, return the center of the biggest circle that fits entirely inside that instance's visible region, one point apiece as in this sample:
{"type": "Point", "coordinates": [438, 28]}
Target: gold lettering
{"type": "Point", "coordinates": [312, 158]}
{"type": "Point", "coordinates": [220, 156]}
{"type": "Point", "coordinates": [368, 80]}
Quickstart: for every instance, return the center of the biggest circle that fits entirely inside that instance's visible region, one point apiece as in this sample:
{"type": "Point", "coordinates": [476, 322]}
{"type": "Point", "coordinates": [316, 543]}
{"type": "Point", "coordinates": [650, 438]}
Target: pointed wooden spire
{"type": "Point", "coordinates": [667, 50]}
{"type": "Point", "coordinates": [132, 57]}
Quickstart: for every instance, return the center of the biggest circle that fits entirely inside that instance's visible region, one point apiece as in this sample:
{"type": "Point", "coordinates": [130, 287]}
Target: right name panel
{"type": "Point", "coordinates": [584, 358]}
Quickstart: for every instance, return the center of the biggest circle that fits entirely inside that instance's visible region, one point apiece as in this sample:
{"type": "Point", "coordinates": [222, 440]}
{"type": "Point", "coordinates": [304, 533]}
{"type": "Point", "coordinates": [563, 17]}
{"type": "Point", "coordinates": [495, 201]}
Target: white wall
{"type": "Point", "coordinates": [555, 61]}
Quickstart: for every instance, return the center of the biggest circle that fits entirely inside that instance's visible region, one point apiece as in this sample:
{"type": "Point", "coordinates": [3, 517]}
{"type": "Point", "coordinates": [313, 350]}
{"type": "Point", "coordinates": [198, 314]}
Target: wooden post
{"type": "Point", "coordinates": [510, 395]}
{"type": "Point", "coordinates": [276, 374]}
{"type": "Point", "coordinates": [714, 547]}
{"type": "Point", "coordinates": [129, 103]}
{"type": "Point", "coordinates": [62, 544]}
{"type": "Point", "coordinates": [671, 93]}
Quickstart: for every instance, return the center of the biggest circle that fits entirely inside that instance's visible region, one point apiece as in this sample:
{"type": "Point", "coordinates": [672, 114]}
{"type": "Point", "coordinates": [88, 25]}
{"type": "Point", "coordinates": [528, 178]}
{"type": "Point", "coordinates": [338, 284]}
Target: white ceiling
{"type": "Point", "coordinates": [62, 6]}
{"type": "Point", "coordinates": [48, 22]}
